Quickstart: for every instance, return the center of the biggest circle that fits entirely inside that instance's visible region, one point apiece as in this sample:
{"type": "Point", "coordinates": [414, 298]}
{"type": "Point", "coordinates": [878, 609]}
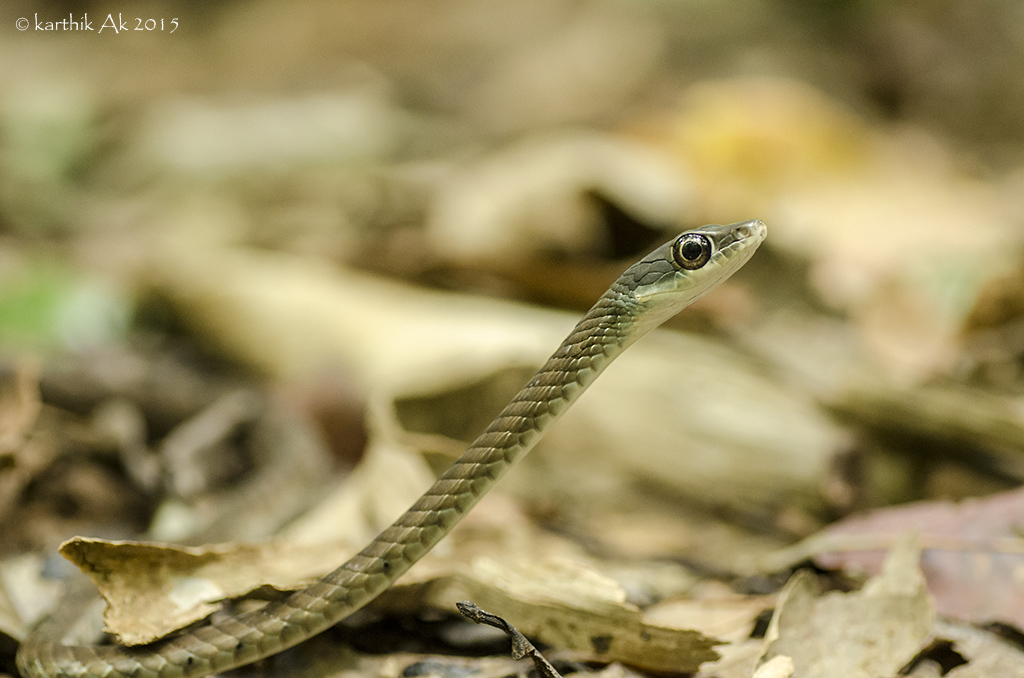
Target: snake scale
{"type": "Point", "coordinates": [647, 293]}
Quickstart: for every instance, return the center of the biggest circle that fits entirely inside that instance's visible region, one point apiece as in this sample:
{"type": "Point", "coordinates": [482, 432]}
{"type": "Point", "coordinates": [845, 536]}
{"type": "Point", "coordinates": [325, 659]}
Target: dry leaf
{"type": "Point", "coordinates": [776, 667]}
{"type": "Point", "coordinates": [290, 316]}
{"type": "Point", "coordinates": [154, 589]}
{"type": "Point", "coordinates": [748, 139]}
{"type": "Point", "coordinates": [20, 458]}
{"type": "Point", "coordinates": [972, 558]}
{"type": "Point", "coordinates": [564, 603]}
{"type": "Point", "coordinates": [19, 405]}
{"type": "Point", "coordinates": [982, 427]}
{"type": "Point", "coordinates": [716, 611]}
{"type": "Point", "coordinates": [570, 606]}
{"type": "Point", "coordinates": [200, 137]}
{"type": "Point", "coordinates": [24, 594]}
{"type": "Point", "coordinates": [534, 197]}
{"type": "Point", "coordinates": [558, 600]}
{"type": "Point", "coordinates": [728, 616]}
{"type": "Point", "coordinates": [987, 655]}
{"type": "Point", "coordinates": [697, 418]}
{"type": "Point", "coordinates": [869, 633]}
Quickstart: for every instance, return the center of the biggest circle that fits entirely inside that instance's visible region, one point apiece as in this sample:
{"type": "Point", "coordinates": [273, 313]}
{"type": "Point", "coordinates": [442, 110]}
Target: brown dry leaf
{"type": "Point", "coordinates": [561, 601]}
{"type": "Point", "coordinates": [550, 590]}
{"type": "Point", "coordinates": [872, 632]}
{"type": "Point", "coordinates": [980, 427]}
{"type": "Point", "coordinates": [746, 140]}
{"type": "Point", "coordinates": [288, 469]}
{"type": "Point", "coordinates": [716, 611]}
{"type": "Point", "coordinates": [385, 483]}
{"type": "Point", "coordinates": [154, 589]}
{"type": "Point", "coordinates": [987, 654]}
{"type": "Point", "coordinates": [290, 316]}
{"type": "Point", "coordinates": [653, 528]}
{"type": "Point", "coordinates": [739, 659]}
{"type": "Point", "coordinates": [11, 623]}
{"type": "Point", "coordinates": [592, 63]}
{"type": "Point", "coordinates": [19, 405]}
{"type": "Point", "coordinates": [723, 614]}
{"type": "Point", "coordinates": [534, 197]}
{"type": "Point", "coordinates": [205, 139]}
{"type": "Point", "coordinates": [776, 667]}
{"type": "Point", "coordinates": [20, 458]}
{"type": "Point", "coordinates": [546, 585]}
{"type": "Point", "coordinates": [714, 427]}
{"type": "Point", "coordinates": [973, 554]}
{"type": "Point", "coordinates": [691, 442]}
{"type": "Point", "coordinates": [24, 595]}
{"type": "Point", "coordinates": [571, 606]}
{"type": "Point", "coordinates": [324, 657]}
{"type": "Point", "coordinates": [992, 331]}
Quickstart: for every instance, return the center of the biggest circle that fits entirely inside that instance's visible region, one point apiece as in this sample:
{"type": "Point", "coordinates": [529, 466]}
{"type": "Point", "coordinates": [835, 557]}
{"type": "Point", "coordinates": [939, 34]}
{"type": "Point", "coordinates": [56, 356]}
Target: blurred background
{"type": "Point", "coordinates": [248, 247]}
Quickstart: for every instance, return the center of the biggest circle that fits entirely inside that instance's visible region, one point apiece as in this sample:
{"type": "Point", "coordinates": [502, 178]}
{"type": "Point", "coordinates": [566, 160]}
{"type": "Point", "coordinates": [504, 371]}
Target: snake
{"type": "Point", "coordinates": [650, 291]}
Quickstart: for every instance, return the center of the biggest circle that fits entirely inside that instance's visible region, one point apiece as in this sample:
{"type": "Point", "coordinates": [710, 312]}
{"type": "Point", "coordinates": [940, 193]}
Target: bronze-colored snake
{"type": "Point", "coordinates": [647, 293]}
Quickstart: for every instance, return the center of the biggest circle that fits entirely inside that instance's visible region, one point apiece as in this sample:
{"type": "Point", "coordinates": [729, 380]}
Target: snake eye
{"type": "Point", "coordinates": [691, 251]}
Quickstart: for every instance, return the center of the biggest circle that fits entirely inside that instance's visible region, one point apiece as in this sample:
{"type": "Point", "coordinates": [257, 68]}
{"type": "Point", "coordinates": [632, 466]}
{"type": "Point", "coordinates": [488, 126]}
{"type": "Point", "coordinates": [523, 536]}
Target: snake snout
{"type": "Point", "coordinates": [750, 229]}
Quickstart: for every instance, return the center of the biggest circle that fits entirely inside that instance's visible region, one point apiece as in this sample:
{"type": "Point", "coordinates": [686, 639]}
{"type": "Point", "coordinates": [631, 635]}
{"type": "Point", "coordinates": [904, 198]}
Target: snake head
{"type": "Point", "coordinates": [684, 269]}
{"type": "Point", "coordinates": [693, 263]}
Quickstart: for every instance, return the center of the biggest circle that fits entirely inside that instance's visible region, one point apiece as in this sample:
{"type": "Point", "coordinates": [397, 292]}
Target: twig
{"type": "Point", "coordinates": [521, 647]}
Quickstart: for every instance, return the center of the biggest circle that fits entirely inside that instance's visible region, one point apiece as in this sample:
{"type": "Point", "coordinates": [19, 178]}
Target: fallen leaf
{"type": "Point", "coordinates": [154, 589]}
{"type": "Point", "coordinates": [987, 654]}
{"type": "Point", "coordinates": [570, 606]}
{"type": "Point", "coordinates": [534, 197]}
{"type": "Point", "coordinates": [972, 553]}
{"type": "Point", "coordinates": [776, 667]}
{"type": "Point", "coordinates": [868, 633]}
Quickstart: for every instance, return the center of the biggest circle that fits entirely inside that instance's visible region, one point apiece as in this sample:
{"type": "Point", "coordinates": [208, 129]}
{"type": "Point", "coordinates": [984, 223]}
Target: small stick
{"type": "Point", "coordinates": [521, 647]}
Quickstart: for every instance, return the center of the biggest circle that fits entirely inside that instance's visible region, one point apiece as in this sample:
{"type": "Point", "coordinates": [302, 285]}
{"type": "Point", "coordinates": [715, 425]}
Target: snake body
{"type": "Point", "coordinates": [647, 293]}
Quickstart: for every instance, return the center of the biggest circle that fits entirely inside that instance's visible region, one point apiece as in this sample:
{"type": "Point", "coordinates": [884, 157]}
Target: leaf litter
{"type": "Point", "coordinates": [528, 151]}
